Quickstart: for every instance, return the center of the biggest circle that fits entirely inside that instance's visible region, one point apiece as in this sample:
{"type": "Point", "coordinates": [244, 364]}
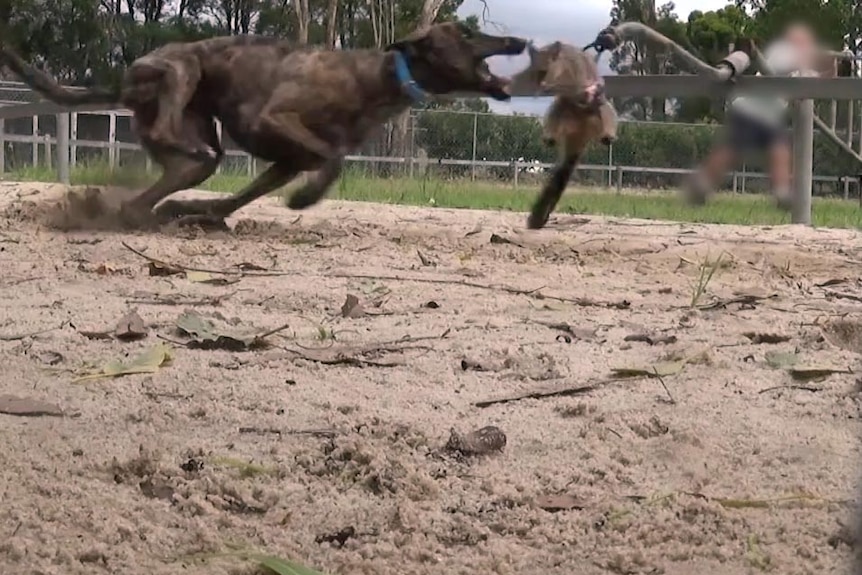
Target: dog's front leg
{"type": "Point", "coordinates": [314, 190]}
{"type": "Point", "coordinates": [572, 136]}
{"type": "Point", "coordinates": [194, 211]}
{"type": "Point", "coordinates": [608, 117]}
{"type": "Point", "coordinates": [279, 118]}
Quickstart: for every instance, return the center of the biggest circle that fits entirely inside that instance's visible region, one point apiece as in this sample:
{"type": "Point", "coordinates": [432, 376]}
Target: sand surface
{"type": "Point", "coordinates": [329, 446]}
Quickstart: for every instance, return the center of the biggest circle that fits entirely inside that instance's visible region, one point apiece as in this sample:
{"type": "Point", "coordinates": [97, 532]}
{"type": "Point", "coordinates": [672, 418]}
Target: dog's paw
{"type": "Point", "coordinates": [537, 220]}
{"type": "Point", "coordinates": [301, 201]}
{"type": "Point", "coordinates": [203, 221]}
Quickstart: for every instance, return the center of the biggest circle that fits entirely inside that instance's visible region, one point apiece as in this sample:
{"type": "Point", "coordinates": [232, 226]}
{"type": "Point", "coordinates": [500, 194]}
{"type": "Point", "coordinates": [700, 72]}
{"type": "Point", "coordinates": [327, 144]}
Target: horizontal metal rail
{"type": "Point", "coordinates": [676, 86]}
{"type": "Point", "coordinates": [689, 86]}
{"type": "Point", "coordinates": [513, 164]}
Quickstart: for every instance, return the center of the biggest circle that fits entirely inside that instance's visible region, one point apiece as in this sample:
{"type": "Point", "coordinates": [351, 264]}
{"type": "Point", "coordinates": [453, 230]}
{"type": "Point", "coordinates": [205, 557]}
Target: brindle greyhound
{"type": "Point", "coordinates": [303, 109]}
{"type": "Point", "coordinates": [579, 114]}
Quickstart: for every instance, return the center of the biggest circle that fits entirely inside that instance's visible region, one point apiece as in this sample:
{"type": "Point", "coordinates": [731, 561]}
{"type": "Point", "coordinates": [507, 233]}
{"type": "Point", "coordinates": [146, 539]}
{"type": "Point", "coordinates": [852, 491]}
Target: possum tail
{"type": "Point", "coordinates": [50, 88]}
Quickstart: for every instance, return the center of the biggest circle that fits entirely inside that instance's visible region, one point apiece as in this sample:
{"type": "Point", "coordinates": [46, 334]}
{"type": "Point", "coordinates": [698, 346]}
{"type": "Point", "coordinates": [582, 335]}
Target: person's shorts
{"type": "Point", "coordinates": [747, 134]}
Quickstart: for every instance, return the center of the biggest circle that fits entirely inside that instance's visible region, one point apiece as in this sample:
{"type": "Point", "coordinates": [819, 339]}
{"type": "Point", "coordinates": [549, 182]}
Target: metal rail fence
{"type": "Point", "coordinates": [440, 143]}
{"type": "Point", "coordinates": [404, 149]}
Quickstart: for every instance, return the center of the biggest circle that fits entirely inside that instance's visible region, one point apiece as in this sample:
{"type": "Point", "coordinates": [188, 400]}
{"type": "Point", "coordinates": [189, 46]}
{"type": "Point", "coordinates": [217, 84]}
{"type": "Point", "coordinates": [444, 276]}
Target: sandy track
{"type": "Point", "coordinates": [117, 486]}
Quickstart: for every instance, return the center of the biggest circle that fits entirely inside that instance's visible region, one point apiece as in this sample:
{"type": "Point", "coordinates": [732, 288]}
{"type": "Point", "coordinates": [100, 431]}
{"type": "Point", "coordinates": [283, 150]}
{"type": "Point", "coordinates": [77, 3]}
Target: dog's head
{"type": "Point", "coordinates": [450, 57]}
{"type": "Point", "coordinates": [561, 70]}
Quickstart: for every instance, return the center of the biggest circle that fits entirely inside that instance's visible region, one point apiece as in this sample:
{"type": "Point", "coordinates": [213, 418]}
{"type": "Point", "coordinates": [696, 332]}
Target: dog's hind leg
{"type": "Point", "coordinates": [314, 190]}
{"type": "Point", "coordinates": [274, 177]}
{"type": "Point", "coordinates": [572, 137]}
{"type": "Point", "coordinates": [552, 191]}
{"type": "Point", "coordinates": [177, 81]}
{"type": "Point", "coordinates": [179, 172]}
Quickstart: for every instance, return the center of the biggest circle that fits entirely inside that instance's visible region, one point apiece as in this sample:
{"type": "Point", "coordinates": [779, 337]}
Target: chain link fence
{"type": "Point", "coordinates": [450, 145]}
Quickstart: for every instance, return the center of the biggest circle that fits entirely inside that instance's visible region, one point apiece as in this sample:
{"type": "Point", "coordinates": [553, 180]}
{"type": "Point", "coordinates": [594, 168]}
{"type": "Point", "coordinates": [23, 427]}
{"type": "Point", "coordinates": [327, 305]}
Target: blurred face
{"type": "Point", "coordinates": [802, 38]}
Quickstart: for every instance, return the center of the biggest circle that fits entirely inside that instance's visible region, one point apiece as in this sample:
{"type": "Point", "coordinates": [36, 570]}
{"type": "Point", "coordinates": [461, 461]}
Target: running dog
{"type": "Point", "coordinates": [300, 108]}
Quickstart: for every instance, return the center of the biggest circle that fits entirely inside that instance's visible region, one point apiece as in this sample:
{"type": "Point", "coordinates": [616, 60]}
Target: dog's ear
{"type": "Point", "coordinates": [412, 44]}
{"type": "Point", "coordinates": [555, 49]}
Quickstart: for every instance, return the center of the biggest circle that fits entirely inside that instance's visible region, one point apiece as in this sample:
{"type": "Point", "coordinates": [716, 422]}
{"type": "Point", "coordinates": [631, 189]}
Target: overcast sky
{"type": "Point", "coordinates": [573, 21]}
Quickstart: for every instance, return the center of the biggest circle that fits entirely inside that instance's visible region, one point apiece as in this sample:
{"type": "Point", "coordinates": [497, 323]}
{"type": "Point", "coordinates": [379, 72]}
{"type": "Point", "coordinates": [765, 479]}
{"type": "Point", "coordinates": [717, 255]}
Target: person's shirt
{"type": "Point", "coordinates": [783, 60]}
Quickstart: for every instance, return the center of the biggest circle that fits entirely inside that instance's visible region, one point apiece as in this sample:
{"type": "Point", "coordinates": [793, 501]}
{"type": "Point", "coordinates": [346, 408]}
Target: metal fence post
{"type": "Point", "coordinates": [112, 139]}
{"type": "Point", "coordinates": [475, 131]}
{"type": "Point", "coordinates": [803, 150]}
{"type": "Point", "coordinates": [48, 157]}
{"type": "Point", "coordinates": [35, 144]}
{"type": "Point", "coordinates": [2, 146]}
{"type": "Point", "coordinates": [610, 166]}
{"type": "Point", "coordinates": [73, 147]}
{"type": "Point", "coordinates": [63, 149]}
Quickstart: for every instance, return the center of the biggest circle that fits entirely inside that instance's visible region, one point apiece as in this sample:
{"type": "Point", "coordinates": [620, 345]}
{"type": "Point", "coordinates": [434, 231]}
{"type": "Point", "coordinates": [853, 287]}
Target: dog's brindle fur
{"type": "Point", "coordinates": [303, 109]}
{"type": "Point", "coordinates": [576, 117]}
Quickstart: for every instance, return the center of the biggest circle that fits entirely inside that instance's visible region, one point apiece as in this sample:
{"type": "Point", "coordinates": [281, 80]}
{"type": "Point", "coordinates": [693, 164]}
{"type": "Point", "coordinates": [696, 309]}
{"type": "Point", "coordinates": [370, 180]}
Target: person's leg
{"type": "Point", "coordinates": [780, 170]}
{"type": "Point", "coordinates": [722, 155]}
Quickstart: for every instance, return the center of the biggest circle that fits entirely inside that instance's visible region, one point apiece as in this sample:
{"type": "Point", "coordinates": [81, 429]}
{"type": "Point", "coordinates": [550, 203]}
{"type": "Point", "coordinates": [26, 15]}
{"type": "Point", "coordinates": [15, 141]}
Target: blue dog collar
{"type": "Point", "coordinates": [408, 84]}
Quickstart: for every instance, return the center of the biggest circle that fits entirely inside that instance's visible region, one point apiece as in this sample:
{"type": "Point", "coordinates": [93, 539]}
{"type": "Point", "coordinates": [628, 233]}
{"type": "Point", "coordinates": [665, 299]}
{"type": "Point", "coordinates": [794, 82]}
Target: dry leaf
{"type": "Point", "coordinates": [554, 503]}
{"type": "Point", "coordinates": [808, 373]}
{"type": "Point", "coordinates": [162, 269]}
{"type": "Point", "coordinates": [766, 337]}
{"type": "Point", "coordinates": [474, 231]}
{"type": "Point", "coordinates": [480, 442]}
{"type": "Point", "coordinates": [781, 360]}
{"type": "Point", "coordinates": [148, 362]}
{"type": "Point", "coordinates": [247, 266]}
{"type": "Point", "coordinates": [205, 334]}
{"type": "Point", "coordinates": [130, 327]}
{"type": "Point", "coordinates": [106, 269]}
{"type": "Point", "coordinates": [102, 335]}
{"type": "Point", "coordinates": [473, 365]}
{"type": "Point", "coordinates": [426, 261]}
{"type": "Point", "coordinates": [156, 489]}
{"type": "Point", "coordinates": [352, 308]}
{"type": "Point", "coordinates": [27, 407]}
{"type": "Point", "coordinates": [498, 239]}
{"type": "Point", "coordinates": [209, 279]}
{"type": "Point", "coordinates": [652, 339]}
{"type": "Point", "coordinates": [844, 334]}
{"type": "Point", "coordinates": [50, 357]}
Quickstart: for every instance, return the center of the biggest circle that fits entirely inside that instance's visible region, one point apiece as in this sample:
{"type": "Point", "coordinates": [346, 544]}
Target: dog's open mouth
{"type": "Point", "coordinates": [495, 86]}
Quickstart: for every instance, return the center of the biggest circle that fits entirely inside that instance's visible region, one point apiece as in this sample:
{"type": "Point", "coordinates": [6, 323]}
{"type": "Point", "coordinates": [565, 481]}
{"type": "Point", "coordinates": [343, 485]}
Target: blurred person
{"type": "Point", "coordinates": [759, 123]}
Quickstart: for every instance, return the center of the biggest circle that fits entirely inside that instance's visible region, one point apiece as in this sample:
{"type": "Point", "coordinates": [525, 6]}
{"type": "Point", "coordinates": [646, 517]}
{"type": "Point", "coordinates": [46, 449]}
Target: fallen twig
{"type": "Point", "coordinates": [840, 295]}
{"type": "Point", "coordinates": [239, 272]}
{"type": "Point", "coordinates": [743, 299]}
{"type": "Point", "coordinates": [20, 336]}
{"type": "Point", "coordinates": [664, 385]}
{"type": "Point", "coordinates": [799, 387]}
{"type": "Point", "coordinates": [276, 431]}
{"type": "Point", "coordinates": [20, 281]}
{"type": "Point", "coordinates": [182, 300]}
{"type": "Point", "coordinates": [539, 394]}
{"type": "Point", "coordinates": [535, 293]}
{"type": "Point", "coordinates": [348, 355]}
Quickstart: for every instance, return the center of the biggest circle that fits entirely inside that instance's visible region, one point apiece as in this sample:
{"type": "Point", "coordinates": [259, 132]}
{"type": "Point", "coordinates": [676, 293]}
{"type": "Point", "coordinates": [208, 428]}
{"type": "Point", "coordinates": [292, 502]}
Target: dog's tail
{"type": "Point", "coordinates": [50, 88]}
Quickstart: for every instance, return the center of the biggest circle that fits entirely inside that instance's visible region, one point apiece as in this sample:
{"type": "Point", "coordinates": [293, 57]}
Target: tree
{"type": "Point", "coordinates": [641, 58]}
{"type": "Point", "coordinates": [710, 35]}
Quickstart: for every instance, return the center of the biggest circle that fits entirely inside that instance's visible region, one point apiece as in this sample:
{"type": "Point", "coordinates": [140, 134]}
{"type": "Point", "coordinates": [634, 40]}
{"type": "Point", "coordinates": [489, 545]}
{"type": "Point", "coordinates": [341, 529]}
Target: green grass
{"type": "Point", "coordinates": [748, 209]}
